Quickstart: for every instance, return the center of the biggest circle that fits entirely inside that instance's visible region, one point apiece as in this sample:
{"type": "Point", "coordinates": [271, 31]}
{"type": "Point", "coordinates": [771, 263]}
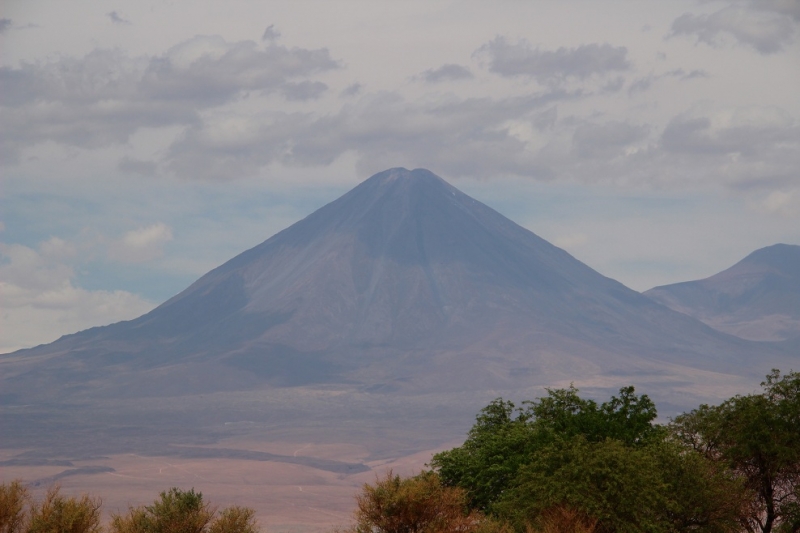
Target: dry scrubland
{"type": "Point", "coordinates": [286, 497]}
{"type": "Point", "coordinates": [559, 464]}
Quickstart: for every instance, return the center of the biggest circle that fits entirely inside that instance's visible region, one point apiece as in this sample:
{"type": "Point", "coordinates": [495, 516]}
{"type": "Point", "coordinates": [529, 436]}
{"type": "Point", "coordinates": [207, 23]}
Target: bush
{"type": "Point", "coordinates": [60, 514]}
{"type": "Point", "coordinates": [180, 511]}
{"type": "Point", "coordinates": [13, 498]}
{"type": "Point", "coordinates": [419, 504]}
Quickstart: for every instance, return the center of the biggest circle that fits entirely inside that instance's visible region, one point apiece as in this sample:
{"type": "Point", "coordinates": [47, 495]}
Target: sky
{"type": "Point", "coordinates": [143, 143]}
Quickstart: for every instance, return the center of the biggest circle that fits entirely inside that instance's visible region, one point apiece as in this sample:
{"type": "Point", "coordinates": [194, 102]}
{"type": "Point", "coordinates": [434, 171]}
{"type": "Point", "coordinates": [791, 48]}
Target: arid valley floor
{"type": "Point", "coordinates": [287, 497]}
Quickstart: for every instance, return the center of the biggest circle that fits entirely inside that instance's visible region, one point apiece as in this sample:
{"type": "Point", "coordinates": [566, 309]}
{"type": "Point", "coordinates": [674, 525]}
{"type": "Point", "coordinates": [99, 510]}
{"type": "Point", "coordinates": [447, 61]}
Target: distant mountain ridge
{"type": "Point", "coordinates": [758, 298]}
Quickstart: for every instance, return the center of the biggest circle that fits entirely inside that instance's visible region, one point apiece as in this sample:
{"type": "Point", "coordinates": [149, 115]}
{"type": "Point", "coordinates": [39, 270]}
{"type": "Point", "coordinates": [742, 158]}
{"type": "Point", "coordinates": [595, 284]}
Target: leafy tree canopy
{"type": "Point", "coordinates": [505, 437]}
{"type": "Point", "coordinates": [608, 463]}
{"type": "Point", "coordinates": [756, 437]}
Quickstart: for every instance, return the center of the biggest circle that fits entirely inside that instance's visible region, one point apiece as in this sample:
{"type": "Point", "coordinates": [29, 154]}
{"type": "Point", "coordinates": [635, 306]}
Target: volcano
{"type": "Point", "coordinates": [401, 290]}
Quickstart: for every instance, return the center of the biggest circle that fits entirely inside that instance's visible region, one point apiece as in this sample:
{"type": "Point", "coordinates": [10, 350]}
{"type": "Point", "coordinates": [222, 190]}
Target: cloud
{"type": "Point", "coordinates": [463, 137]}
{"type": "Point", "coordinates": [117, 19]}
{"type": "Point", "coordinates": [41, 301]}
{"type": "Point", "coordinates": [753, 133]}
{"type": "Point", "coordinates": [784, 203]}
{"type": "Point", "coordinates": [749, 149]}
{"type": "Point", "coordinates": [550, 67]}
{"type": "Point", "coordinates": [448, 72]}
{"type": "Point", "coordinates": [304, 90]}
{"type": "Point", "coordinates": [142, 244]}
{"type": "Point", "coordinates": [531, 136]}
{"type": "Point", "coordinates": [571, 241]}
{"type": "Point", "coordinates": [270, 34]}
{"type": "Point", "coordinates": [137, 166]}
{"type": "Point", "coordinates": [5, 25]}
{"type": "Point", "coordinates": [643, 84]}
{"type": "Point", "coordinates": [606, 141]}
{"type": "Point", "coordinates": [352, 90]}
{"type": "Point", "coordinates": [106, 96]}
{"type": "Point", "coordinates": [789, 8]}
{"type": "Point", "coordinates": [767, 29]}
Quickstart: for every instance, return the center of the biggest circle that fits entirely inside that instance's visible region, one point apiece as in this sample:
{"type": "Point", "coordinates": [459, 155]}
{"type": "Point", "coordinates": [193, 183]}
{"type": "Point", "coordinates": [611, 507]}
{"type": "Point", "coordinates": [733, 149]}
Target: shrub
{"type": "Point", "coordinates": [13, 498]}
{"type": "Point", "coordinates": [60, 514]}
{"type": "Point", "coordinates": [180, 511]}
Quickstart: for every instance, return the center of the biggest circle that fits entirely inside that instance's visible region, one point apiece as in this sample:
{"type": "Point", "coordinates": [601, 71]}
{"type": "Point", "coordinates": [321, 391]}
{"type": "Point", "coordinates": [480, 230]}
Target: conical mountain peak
{"type": "Point", "coordinates": [404, 266]}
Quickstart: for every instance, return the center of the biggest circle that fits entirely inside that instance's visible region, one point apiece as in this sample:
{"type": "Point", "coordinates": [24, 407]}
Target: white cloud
{"type": "Point", "coordinates": [41, 301]}
{"type": "Point", "coordinates": [784, 203]}
{"type": "Point", "coordinates": [571, 240]}
{"type": "Point", "coordinates": [140, 245]}
{"type": "Point", "coordinates": [767, 31]}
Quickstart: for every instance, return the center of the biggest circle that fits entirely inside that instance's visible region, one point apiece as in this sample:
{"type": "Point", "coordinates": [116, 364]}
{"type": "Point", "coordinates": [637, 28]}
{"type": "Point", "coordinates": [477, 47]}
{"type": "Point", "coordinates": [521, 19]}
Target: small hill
{"type": "Point", "coordinates": [758, 298]}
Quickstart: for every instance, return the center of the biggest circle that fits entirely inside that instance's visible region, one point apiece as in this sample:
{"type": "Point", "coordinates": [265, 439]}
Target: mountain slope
{"type": "Point", "coordinates": [758, 298]}
{"type": "Point", "coordinates": [403, 296]}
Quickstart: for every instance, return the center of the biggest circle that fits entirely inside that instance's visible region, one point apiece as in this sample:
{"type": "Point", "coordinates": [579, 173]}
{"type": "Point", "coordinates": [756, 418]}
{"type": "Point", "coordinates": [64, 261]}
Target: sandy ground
{"type": "Point", "coordinates": [287, 497]}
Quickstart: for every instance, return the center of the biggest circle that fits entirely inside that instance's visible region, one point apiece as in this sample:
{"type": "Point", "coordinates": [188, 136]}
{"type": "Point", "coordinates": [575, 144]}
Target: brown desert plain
{"type": "Point", "coordinates": [286, 497]}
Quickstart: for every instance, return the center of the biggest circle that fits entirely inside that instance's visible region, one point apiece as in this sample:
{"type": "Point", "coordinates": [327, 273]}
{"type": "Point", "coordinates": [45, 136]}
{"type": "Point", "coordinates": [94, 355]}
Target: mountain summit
{"type": "Point", "coordinates": [404, 284]}
{"type": "Point", "coordinates": [758, 298]}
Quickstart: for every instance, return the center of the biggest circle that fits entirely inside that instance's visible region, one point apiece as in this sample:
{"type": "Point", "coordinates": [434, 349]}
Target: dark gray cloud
{"type": "Point", "coordinates": [270, 34]}
{"type": "Point", "coordinates": [644, 83]}
{"type": "Point", "coordinates": [448, 72]}
{"type": "Point", "coordinates": [695, 135]}
{"type": "Point", "coordinates": [789, 8]}
{"type": "Point", "coordinates": [303, 90]}
{"type": "Point", "coordinates": [468, 137]}
{"type": "Point", "coordinates": [606, 141]}
{"type": "Point", "coordinates": [482, 137]}
{"type": "Point", "coordinates": [758, 151]}
{"type": "Point", "coordinates": [105, 96]}
{"type": "Point", "coordinates": [137, 166]}
{"type": "Point", "coordinates": [613, 85]}
{"type": "Point", "coordinates": [117, 19]}
{"type": "Point", "coordinates": [352, 90]}
{"type": "Point", "coordinates": [767, 28]}
{"type": "Point", "coordinates": [693, 74]}
{"type": "Point", "coordinates": [5, 25]}
{"type": "Point", "coordinates": [547, 66]}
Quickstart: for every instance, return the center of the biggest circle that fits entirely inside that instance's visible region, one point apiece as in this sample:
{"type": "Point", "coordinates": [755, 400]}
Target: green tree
{"type": "Point", "coordinates": [627, 417]}
{"type": "Point", "coordinates": [497, 445]}
{"type": "Point", "coordinates": [658, 487]}
{"type": "Point", "coordinates": [505, 437]}
{"type": "Point", "coordinates": [757, 437]}
{"type": "Point", "coordinates": [617, 485]}
{"type": "Point", "coordinates": [608, 466]}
